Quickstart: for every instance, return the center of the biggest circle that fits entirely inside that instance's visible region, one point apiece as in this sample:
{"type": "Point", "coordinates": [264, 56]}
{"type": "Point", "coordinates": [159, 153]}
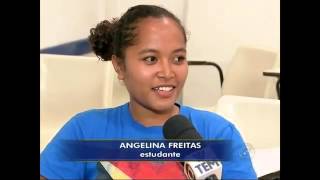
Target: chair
{"type": "Point", "coordinates": [202, 93]}
{"type": "Point", "coordinates": [273, 84]}
{"type": "Point", "coordinates": [257, 119]}
{"type": "Point", "coordinates": [278, 88]}
{"type": "Point", "coordinates": [71, 84]}
{"type": "Point", "coordinates": [244, 76]}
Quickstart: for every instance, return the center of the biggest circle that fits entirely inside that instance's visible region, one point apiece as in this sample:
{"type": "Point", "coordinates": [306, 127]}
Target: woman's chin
{"type": "Point", "coordinates": [163, 107]}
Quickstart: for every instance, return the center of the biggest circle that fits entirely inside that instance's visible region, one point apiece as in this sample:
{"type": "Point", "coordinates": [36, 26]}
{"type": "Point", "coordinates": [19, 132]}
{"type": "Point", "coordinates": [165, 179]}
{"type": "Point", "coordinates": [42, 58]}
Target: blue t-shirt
{"type": "Point", "coordinates": [118, 123]}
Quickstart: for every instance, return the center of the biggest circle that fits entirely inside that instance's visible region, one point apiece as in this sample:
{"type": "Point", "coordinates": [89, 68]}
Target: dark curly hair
{"type": "Point", "coordinates": [109, 38]}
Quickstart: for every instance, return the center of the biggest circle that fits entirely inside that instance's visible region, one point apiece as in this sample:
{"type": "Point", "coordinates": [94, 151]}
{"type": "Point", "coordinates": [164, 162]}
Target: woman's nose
{"type": "Point", "coordinates": [166, 70]}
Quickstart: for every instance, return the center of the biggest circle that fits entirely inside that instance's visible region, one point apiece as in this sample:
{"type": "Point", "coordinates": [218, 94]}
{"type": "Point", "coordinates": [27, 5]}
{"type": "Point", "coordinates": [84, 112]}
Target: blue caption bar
{"type": "Point", "coordinates": [149, 150]}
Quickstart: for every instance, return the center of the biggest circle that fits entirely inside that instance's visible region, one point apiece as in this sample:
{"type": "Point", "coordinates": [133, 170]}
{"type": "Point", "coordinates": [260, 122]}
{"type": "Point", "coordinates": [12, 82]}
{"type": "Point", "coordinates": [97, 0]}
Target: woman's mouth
{"type": "Point", "coordinates": [165, 91]}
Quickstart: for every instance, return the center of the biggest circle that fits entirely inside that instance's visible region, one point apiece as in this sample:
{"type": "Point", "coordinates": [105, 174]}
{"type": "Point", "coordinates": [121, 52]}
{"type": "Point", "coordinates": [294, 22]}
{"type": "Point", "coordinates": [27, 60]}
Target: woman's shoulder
{"type": "Point", "coordinates": [204, 115]}
{"type": "Point", "coordinates": [97, 115]}
{"type": "Point", "coordinates": [93, 122]}
{"type": "Point", "coordinates": [209, 123]}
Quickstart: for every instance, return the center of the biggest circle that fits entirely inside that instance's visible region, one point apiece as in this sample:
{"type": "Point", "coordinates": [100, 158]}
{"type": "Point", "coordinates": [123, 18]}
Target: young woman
{"type": "Point", "coordinates": [147, 47]}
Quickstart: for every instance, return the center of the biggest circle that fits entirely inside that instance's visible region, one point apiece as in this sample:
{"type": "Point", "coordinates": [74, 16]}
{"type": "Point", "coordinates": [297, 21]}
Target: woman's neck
{"type": "Point", "coordinates": [148, 117]}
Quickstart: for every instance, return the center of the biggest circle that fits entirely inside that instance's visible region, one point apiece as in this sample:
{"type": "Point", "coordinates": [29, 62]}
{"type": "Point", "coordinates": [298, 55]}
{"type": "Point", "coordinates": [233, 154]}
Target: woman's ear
{"type": "Point", "coordinates": [118, 67]}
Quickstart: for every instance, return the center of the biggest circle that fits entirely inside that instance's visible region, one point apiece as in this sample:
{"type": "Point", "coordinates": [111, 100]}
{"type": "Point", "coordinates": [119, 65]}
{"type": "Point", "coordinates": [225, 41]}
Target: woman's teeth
{"type": "Point", "coordinates": [164, 88]}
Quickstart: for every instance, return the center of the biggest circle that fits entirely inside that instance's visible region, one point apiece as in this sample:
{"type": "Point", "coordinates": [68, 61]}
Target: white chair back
{"type": "Point", "coordinates": [257, 119]}
{"type": "Point", "coordinates": [271, 90]}
{"type": "Point", "coordinates": [72, 84]}
{"type": "Point", "coordinates": [244, 76]}
{"type": "Point", "coordinates": [202, 87]}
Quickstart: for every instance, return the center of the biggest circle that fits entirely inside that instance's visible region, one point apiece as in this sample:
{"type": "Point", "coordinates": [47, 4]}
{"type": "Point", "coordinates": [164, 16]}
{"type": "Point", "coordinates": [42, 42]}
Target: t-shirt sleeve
{"type": "Point", "coordinates": [52, 163]}
{"type": "Point", "coordinates": [239, 166]}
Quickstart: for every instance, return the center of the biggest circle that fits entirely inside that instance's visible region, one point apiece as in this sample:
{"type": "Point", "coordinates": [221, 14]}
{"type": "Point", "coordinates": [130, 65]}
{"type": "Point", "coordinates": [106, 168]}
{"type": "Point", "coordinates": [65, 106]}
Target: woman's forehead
{"type": "Point", "coordinates": [158, 29]}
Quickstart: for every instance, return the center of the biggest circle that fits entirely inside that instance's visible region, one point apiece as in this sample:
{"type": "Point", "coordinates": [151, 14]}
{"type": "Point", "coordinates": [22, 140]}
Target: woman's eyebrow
{"type": "Point", "coordinates": [148, 50]}
{"type": "Point", "coordinates": [180, 50]}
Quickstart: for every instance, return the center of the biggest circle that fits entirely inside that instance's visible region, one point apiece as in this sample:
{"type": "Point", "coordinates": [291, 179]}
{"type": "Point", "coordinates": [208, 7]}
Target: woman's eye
{"type": "Point", "coordinates": [150, 59]}
{"type": "Point", "coordinates": [179, 59]}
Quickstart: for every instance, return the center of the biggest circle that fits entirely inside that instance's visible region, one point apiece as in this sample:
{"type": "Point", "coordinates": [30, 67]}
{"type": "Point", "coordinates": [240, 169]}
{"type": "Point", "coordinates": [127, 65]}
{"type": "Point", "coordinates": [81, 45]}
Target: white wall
{"type": "Point", "coordinates": [218, 27]}
{"type": "Point", "coordinates": [67, 20]}
{"type": "Point", "coordinates": [117, 8]}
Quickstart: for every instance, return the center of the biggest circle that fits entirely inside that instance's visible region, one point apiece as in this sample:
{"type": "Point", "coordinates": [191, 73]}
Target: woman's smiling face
{"type": "Point", "coordinates": [155, 66]}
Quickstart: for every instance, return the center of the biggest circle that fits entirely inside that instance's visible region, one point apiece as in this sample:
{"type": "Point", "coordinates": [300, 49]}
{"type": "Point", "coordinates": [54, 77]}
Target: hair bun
{"type": "Point", "coordinates": [101, 39]}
